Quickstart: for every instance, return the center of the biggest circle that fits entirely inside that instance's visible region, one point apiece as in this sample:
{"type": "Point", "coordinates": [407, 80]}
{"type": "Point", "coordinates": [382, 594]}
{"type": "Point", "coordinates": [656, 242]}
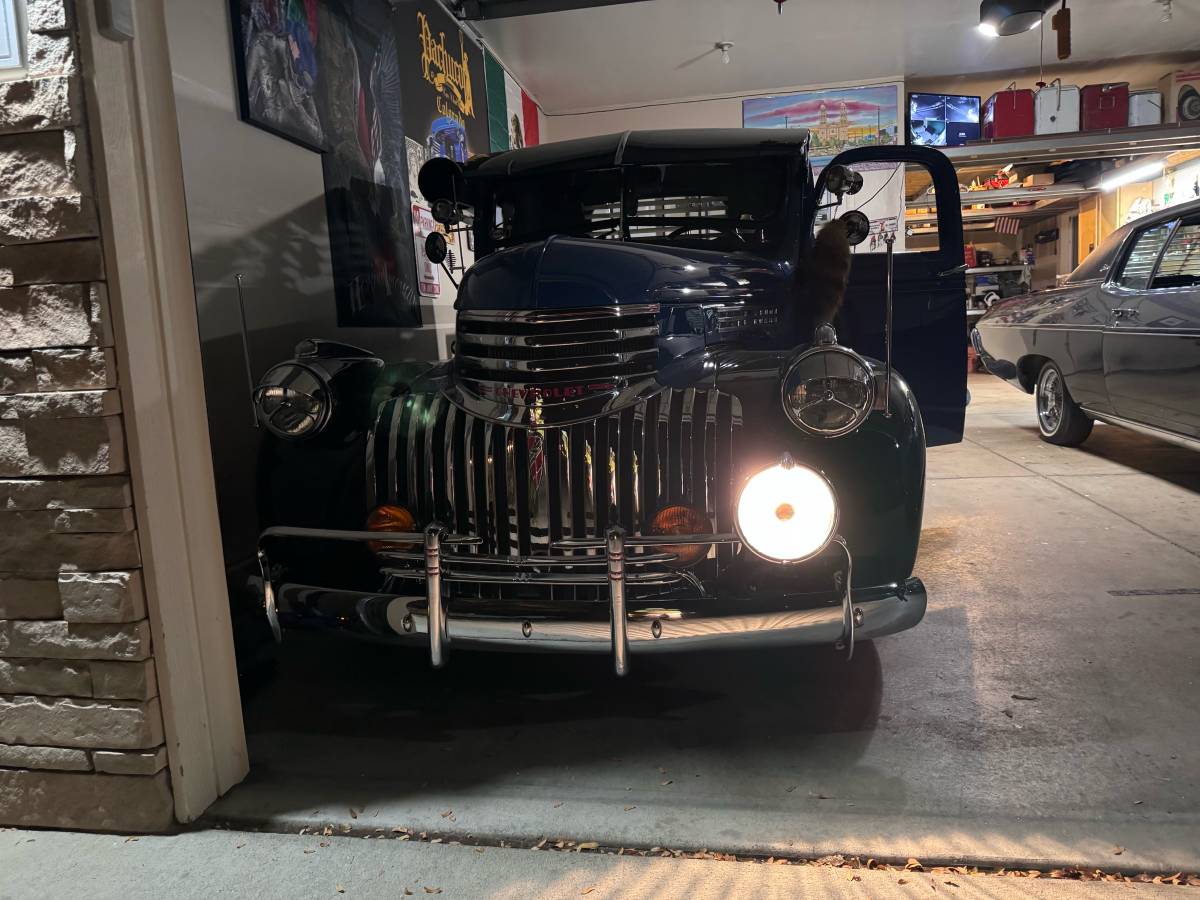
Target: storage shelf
{"type": "Point", "coordinates": [988, 270]}
{"type": "Point", "coordinates": [1080, 145]}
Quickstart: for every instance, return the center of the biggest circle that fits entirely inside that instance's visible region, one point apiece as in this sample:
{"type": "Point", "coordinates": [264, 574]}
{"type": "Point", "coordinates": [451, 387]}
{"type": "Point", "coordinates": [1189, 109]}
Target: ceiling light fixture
{"type": "Point", "coordinates": [1130, 174]}
{"type": "Point", "coordinates": [724, 47]}
{"type": "Point", "coordinates": [999, 18]}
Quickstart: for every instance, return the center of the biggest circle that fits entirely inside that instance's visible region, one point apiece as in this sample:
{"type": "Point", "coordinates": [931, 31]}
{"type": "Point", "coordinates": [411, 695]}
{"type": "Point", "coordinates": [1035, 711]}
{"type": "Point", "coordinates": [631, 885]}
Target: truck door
{"type": "Point", "coordinates": [929, 327]}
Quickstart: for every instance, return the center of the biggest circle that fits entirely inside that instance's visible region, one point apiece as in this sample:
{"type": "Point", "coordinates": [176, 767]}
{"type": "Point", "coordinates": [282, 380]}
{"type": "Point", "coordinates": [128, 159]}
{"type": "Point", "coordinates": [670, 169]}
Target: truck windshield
{"type": "Point", "coordinates": [729, 206]}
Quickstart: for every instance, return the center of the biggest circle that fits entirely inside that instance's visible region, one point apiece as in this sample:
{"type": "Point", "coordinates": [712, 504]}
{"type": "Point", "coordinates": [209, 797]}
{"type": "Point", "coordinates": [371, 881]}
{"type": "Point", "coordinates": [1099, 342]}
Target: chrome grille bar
{"type": "Point", "coordinates": [527, 494]}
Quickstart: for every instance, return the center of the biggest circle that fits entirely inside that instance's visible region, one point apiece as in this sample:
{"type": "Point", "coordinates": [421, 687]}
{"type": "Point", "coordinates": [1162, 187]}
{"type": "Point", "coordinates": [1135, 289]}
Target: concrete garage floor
{"type": "Point", "coordinates": [1044, 713]}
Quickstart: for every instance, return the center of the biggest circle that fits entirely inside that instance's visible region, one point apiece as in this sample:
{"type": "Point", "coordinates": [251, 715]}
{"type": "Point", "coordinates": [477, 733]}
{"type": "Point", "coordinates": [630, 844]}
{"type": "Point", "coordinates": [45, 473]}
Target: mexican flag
{"type": "Point", "coordinates": [512, 113]}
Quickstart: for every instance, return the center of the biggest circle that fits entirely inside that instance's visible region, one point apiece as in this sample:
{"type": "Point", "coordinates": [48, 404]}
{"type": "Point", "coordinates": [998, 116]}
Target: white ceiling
{"type": "Point", "coordinates": [658, 50]}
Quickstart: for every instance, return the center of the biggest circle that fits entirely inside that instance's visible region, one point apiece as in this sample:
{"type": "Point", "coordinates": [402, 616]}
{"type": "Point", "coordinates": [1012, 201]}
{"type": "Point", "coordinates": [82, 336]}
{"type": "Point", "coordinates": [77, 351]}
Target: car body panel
{"type": "Point", "coordinates": [1127, 353]}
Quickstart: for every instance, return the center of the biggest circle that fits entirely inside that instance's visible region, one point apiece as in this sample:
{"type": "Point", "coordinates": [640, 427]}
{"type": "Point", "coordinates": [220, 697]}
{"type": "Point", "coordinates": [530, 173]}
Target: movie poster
{"type": "Point", "coordinates": [445, 98]}
{"type": "Point", "coordinates": [327, 75]}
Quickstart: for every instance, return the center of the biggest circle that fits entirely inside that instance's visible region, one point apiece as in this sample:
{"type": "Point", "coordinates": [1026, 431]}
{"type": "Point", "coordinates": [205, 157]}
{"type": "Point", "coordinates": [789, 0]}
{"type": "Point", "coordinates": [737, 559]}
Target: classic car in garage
{"type": "Point", "coordinates": [1117, 342]}
{"type": "Point", "coordinates": [674, 418]}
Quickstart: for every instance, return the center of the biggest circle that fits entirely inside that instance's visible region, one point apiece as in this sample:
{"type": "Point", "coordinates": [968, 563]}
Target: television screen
{"type": "Point", "coordinates": [942, 120]}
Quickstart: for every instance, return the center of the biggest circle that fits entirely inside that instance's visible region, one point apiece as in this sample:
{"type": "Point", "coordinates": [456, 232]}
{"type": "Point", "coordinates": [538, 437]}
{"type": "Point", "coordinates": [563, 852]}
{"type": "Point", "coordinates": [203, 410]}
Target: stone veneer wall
{"type": "Point", "coordinates": [81, 731]}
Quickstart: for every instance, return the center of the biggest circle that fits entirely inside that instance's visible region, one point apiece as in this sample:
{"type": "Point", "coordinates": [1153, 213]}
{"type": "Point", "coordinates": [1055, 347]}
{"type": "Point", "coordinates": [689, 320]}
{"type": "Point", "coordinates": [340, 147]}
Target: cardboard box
{"type": "Point", "coordinates": [1042, 180]}
{"type": "Point", "coordinates": [1181, 95]}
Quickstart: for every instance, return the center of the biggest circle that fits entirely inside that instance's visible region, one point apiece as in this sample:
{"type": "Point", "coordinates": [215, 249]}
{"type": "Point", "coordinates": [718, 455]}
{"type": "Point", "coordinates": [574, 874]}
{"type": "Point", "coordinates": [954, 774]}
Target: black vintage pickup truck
{"type": "Point", "coordinates": [678, 414]}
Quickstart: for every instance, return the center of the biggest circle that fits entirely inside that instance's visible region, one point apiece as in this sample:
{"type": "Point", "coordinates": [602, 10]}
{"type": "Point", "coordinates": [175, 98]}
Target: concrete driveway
{"type": "Point", "coordinates": [1044, 713]}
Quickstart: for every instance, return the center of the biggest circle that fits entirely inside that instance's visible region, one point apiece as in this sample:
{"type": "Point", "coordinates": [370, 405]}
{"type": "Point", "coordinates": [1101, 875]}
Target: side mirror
{"type": "Point", "coordinates": [858, 226]}
{"type": "Point", "coordinates": [444, 186]}
{"type": "Point", "coordinates": [436, 248]}
{"type": "Point", "coordinates": [841, 180]}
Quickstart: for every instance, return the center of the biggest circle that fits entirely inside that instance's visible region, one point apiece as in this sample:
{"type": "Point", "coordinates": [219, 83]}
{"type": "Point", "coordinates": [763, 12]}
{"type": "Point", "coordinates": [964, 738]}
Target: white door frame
{"type": "Point", "coordinates": [143, 222]}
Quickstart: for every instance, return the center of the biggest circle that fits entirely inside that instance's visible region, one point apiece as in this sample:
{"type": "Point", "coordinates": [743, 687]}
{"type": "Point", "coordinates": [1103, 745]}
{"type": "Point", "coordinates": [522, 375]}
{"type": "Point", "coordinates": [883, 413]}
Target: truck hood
{"type": "Point", "coordinates": [568, 273]}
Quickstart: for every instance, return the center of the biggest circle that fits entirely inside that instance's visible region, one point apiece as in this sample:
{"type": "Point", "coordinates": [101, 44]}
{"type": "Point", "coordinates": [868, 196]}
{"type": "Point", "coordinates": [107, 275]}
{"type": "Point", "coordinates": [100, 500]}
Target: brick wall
{"type": "Point", "coordinates": [81, 733]}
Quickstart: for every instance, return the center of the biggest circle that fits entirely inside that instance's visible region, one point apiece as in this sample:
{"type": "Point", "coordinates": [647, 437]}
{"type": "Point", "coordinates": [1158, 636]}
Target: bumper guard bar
{"type": "Point", "coordinates": [614, 545]}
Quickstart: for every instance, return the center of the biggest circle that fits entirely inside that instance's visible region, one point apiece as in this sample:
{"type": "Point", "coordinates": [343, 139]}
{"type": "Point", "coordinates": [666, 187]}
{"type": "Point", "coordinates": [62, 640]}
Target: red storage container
{"type": "Point", "coordinates": [1104, 106]}
{"type": "Point", "coordinates": [1008, 114]}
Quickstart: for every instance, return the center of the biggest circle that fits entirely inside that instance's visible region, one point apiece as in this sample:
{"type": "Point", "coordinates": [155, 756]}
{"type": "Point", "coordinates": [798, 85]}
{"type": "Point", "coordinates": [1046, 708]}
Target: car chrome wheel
{"type": "Point", "coordinates": [1050, 401]}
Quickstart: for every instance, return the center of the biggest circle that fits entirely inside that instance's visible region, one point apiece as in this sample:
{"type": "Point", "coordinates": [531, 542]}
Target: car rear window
{"type": "Point", "coordinates": [1180, 266]}
{"type": "Point", "coordinates": [1100, 260]}
{"type": "Point", "coordinates": [1139, 265]}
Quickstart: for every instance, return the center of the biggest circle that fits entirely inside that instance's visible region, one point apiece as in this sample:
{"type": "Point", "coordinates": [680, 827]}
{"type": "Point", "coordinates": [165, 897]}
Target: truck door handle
{"type": "Point", "coordinates": [1124, 312]}
{"type": "Point", "coordinates": [946, 273]}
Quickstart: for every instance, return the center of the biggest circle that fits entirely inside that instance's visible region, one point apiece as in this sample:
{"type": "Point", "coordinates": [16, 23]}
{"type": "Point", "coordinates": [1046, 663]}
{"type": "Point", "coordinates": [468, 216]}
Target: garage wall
{"type": "Point", "coordinates": [714, 112]}
{"type": "Point", "coordinates": [256, 207]}
{"type": "Point", "coordinates": [81, 730]}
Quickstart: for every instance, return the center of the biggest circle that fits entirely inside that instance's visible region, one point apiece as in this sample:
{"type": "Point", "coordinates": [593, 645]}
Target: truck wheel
{"type": "Point", "coordinates": [1060, 419]}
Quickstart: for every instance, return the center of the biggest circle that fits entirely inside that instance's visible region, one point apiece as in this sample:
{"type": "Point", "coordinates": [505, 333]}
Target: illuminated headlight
{"type": "Point", "coordinates": [828, 391]}
{"type": "Point", "coordinates": [787, 513]}
{"type": "Point", "coordinates": [293, 401]}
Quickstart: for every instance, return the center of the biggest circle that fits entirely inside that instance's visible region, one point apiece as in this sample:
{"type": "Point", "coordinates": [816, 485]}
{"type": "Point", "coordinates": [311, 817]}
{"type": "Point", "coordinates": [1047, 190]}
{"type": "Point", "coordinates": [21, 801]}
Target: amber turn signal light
{"type": "Point", "coordinates": [390, 518]}
{"type": "Point", "coordinates": [682, 520]}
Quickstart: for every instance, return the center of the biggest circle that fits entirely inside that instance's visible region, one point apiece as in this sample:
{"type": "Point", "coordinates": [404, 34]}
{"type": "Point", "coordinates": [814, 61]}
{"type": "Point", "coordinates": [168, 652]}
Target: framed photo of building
{"type": "Point", "coordinates": [838, 118]}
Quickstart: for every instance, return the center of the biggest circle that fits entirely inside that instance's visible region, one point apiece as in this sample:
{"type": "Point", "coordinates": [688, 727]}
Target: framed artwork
{"type": "Point", "coordinates": [325, 74]}
{"type": "Point", "coordinates": [275, 53]}
{"type": "Point", "coordinates": [837, 118]}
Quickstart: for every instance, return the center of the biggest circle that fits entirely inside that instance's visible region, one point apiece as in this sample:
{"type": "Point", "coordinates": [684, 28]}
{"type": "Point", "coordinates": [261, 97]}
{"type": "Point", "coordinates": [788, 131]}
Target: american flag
{"type": "Point", "coordinates": [1008, 225]}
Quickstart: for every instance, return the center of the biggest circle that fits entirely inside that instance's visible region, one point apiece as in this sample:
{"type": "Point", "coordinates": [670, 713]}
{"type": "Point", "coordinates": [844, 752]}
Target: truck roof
{"type": "Point", "coordinates": [642, 148]}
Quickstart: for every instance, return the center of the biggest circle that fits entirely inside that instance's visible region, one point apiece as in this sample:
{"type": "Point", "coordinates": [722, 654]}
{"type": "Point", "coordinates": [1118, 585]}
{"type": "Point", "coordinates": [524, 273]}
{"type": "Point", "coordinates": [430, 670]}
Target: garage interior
{"type": "Point", "coordinates": [1005, 726]}
{"type": "Point", "coordinates": [1040, 718]}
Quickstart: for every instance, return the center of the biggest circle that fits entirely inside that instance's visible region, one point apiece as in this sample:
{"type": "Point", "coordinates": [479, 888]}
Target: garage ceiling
{"type": "Point", "coordinates": [628, 54]}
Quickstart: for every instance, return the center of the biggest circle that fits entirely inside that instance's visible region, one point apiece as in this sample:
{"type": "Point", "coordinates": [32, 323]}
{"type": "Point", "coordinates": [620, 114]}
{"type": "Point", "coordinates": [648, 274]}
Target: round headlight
{"type": "Point", "coordinates": [293, 401]}
{"type": "Point", "coordinates": [828, 391]}
{"type": "Point", "coordinates": [787, 513]}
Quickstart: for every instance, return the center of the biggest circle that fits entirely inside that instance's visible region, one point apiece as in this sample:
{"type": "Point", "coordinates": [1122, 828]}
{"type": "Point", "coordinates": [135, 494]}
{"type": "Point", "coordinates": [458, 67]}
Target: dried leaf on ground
{"type": "Point", "coordinates": [1117, 851]}
{"type": "Point", "coordinates": [588, 845]}
{"type": "Point", "coordinates": [914, 865]}
{"type": "Point", "coordinates": [628, 808]}
{"type": "Point", "coordinates": [353, 813]}
{"type": "Point", "coordinates": [588, 890]}
{"type": "Point", "coordinates": [668, 781]}
{"type": "Point", "coordinates": [432, 890]}
{"type": "Point", "coordinates": [1023, 697]}
{"type": "Point", "coordinates": [340, 889]}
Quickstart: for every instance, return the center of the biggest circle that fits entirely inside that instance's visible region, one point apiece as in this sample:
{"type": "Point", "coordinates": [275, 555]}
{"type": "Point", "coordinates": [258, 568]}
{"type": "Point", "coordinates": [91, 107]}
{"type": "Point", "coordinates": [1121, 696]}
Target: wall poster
{"type": "Point", "coordinates": [445, 98]}
{"type": "Point", "coordinates": [841, 119]}
{"type": "Point", "coordinates": [837, 118]}
{"type": "Point", "coordinates": [326, 74]}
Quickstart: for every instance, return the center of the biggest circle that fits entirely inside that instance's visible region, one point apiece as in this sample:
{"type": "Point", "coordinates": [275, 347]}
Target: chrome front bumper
{"type": "Point", "coordinates": [427, 619]}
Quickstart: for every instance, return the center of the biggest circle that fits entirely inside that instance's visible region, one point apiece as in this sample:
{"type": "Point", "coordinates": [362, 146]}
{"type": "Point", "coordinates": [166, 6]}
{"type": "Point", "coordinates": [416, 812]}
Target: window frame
{"type": "Point", "coordinates": [12, 27]}
{"type": "Point", "coordinates": [1176, 227]}
{"type": "Point", "coordinates": [1116, 272]}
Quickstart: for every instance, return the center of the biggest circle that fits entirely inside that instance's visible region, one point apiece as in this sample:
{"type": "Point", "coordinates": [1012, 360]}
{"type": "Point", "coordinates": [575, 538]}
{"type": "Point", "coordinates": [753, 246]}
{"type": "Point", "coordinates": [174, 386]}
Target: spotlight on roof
{"type": "Point", "coordinates": [998, 18]}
